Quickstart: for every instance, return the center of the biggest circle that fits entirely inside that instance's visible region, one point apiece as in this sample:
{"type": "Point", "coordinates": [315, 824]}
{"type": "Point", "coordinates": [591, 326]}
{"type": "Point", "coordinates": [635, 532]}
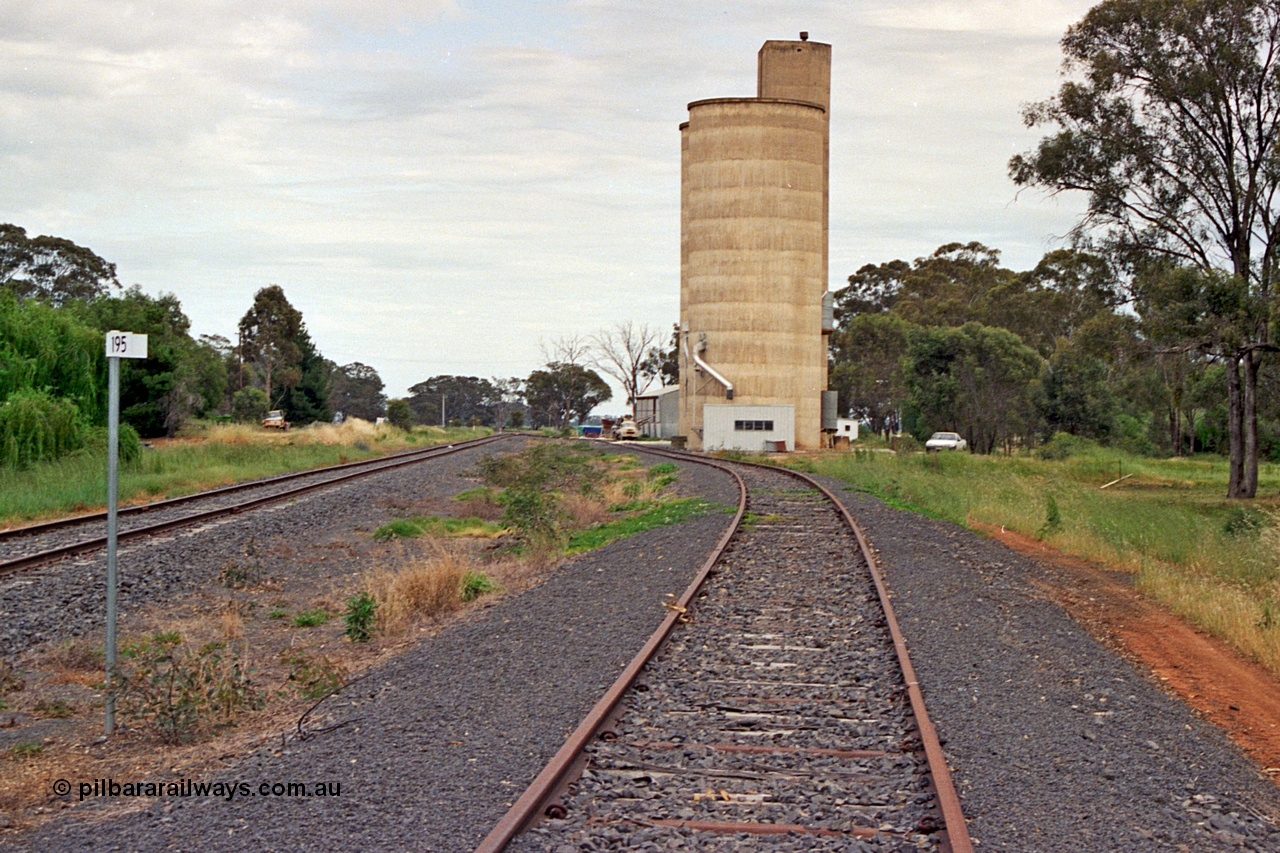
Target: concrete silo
{"type": "Point", "coordinates": [753, 240]}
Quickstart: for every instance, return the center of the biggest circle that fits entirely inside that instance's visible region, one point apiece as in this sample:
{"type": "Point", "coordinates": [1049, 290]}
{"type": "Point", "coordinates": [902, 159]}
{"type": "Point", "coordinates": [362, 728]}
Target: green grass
{"type": "Point", "coordinates": [670, 512]}
{"type": "Point", "coordinates": [435, 525]}
{"type": "Point", "coordinates": [476, 584]}
{"type": "Point", "coordinates": [77, 482]}
{"type": "Point", "coordinates": [311, 618]}
{"type": "Point", "coordinates": [1214, 561]}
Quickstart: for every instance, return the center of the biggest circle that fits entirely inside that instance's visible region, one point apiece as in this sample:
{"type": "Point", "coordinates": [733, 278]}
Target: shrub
{"type": "Point", "coordinates": [179, 693]}
{"type": "Point", "coordinates": [361, 610]}
{"type": "Point", "coordinates": [476, 584]}
{"type": "Point", "coordinates": [35, 427]}
{"type": "Point", "coordinates": [399, 414]}
{"type": "Point", "coordinates": [1064, 445]}
{"type": "Point", "coordinates": [249, 405]}
{"type": "Point", "coordinates": [906, 444]}
{"type": "Point", "coordinates": [314, 679]}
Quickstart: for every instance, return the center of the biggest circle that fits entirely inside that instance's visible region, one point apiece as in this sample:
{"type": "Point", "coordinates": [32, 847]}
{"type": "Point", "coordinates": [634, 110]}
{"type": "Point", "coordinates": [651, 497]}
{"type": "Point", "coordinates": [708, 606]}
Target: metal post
{"type": "Point", "coordinates": [113, 473]}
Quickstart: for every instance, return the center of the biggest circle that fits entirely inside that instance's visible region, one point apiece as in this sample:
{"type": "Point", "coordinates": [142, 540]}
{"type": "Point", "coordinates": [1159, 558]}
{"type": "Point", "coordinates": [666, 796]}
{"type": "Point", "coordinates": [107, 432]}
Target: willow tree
{"type": "Point", "coordinates": [1170, 127]}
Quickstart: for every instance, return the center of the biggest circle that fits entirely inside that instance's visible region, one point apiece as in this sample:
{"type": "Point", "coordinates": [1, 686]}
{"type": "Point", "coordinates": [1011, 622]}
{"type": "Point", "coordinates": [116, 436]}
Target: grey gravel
{"type": "Point", "coordinates": [66, 598]}
{"type": "Point", "coordinates": [439, 741]}
{"type": "Point", "coordinates": [1056, 743]}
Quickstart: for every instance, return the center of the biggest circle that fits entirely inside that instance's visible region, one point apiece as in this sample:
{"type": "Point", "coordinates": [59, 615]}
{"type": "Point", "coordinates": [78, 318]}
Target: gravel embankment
{"type": "Point", "coordinates": [442, 739]}
{"type": "Point", "coordinates": [65, 598]}
{"type": "Point", "coordinates": [1057, 743]}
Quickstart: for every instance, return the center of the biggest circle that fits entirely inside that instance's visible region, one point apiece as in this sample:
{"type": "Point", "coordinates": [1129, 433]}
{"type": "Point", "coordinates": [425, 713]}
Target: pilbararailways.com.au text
{"type": "Point", "coordinates": [189, 788]}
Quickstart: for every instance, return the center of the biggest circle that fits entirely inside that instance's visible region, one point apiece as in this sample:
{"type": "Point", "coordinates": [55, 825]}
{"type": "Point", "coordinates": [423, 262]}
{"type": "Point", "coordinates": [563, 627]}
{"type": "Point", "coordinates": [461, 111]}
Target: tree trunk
{"type": "Point", "coordinates": [1235, 418]}
{"type": "Point", "coordinates": [1250, 484]}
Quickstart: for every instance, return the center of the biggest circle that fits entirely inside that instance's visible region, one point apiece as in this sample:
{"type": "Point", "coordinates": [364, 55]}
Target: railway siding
{"type": "Point", "coordinates": [777, 716]}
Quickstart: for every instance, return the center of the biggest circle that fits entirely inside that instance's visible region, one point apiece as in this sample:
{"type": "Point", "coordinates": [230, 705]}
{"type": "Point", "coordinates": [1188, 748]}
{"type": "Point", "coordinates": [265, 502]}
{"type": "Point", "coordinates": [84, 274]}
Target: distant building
{"type": "Point", "coordinates": [658, 413]}
{"type": "Point", "coordinates": [753, 259]}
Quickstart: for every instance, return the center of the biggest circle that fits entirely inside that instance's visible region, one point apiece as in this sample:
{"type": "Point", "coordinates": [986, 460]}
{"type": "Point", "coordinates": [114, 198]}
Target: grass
{"type": "Point", "coordinates": [211, 456]}
{"type": "Point", "coordinates": [311, 618]}
{"type": "Point", "coordinates": [1214, 561]}
{"type": "Point", "coordinates": [661, 515]}
{"type": "Point", "coordinates": [435, 525]}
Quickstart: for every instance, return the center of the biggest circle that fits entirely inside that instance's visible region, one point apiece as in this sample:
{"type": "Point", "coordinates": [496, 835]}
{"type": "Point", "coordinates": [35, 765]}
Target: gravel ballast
{"type": "Point", "coordinates": [1056, 742]}
{"type": "Point", "coordinates": [66, 598]}
{"type": "Point", "coordinates": [439, 741]}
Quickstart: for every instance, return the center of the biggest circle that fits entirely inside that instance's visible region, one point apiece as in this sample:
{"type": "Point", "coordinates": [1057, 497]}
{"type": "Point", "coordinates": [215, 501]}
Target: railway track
{"type": "Point", "coordinates": [24, 547]}
{"type": "Point", "coordinates": [775, 707]}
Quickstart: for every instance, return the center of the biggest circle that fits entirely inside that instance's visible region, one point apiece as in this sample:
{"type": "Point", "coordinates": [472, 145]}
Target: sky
{"type": "Point", "coordinates": [447, 187]}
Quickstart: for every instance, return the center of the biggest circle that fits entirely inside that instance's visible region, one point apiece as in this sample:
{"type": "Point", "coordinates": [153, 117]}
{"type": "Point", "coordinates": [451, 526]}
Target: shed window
{"type": "Point", "coordinates": [756, 426]}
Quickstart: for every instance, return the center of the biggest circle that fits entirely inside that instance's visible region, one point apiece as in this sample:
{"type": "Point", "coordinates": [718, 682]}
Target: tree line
{"type": "Point", "coordinates": [1154, 330]}
{"type": "Point", "coordinates": [57, 300]}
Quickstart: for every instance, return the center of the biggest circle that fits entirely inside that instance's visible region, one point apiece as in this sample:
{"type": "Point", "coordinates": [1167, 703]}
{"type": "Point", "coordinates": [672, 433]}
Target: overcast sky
{"type": "Point", "coordinates": [438, 185]}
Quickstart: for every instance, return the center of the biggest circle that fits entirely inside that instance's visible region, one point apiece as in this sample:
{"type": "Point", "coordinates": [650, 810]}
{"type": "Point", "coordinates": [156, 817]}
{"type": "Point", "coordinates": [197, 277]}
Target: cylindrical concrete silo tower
{"type": "Point", "coordinates": [753, 356]}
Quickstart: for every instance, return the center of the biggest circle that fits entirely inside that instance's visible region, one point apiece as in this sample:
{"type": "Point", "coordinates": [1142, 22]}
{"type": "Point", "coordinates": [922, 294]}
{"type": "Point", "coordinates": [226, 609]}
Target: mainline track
{"type": "Point", "coordinates": [38, 535]}
{"type": "Point", "coordinates": [776, 702]}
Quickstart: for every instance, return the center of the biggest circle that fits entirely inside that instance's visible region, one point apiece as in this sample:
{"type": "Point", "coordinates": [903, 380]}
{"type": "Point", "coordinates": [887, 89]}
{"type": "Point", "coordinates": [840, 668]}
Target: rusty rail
{"type": "Point", "coordinates": [370, 467]}
{"type": "Point", "coordinates": [539, 796]}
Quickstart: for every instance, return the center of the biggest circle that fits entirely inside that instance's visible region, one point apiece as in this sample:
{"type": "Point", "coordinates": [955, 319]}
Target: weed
{"type": "Point", "coordinates": [671, 512]}
{"type": "Point", "coordinates": [311, 618]}
{"type": "Point", "coordinates": [235, 576]}
{"type": "Point", "coordinates": [1052, 518]}
{"type": "Point", "coordinates": [314, 679]}
{"type": "Point", "coordinates": [476, 584]}
{"type": "Point", "coordinates": [424, 588]}
{"type": "Point", "coordinates": [479, 493]}
{"type": "Point", "coordinates": [277, 612]}
{"type": "Point", "coordinates": [56, 709]}
{"type": "Point", "coordinates": [662, 468]}
{"type": "Point", "coordinates": [25, 749]}
{"type": "Point", "coordinates": [399, 528]}
{"type": "Point", "coordinates": [662, 482]}
{"type": "Point", "coordinates": [434, 525]}
{"type": "Point", "coordinates": [359, 617]}
{"type": "Point", "coordinates": [1269, 619]}
{"type": "Point", "coordinates": [10, 681]}
{"type": "Point", "coordinates": [1242, 522]}
{"type": "Point", "coordinates": [182, 693]}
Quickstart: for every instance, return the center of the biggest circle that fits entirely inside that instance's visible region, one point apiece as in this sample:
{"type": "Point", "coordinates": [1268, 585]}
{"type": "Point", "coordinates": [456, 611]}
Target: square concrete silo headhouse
{"type": "Point", "coordinates": [753, 258]}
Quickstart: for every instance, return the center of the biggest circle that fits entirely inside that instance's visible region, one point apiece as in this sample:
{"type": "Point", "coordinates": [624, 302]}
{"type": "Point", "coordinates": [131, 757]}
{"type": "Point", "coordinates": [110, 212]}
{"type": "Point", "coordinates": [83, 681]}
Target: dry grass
{"type": "Point", "coordinates": [585, 510]}
{"type": "Point", "coordinates": [427, 586]}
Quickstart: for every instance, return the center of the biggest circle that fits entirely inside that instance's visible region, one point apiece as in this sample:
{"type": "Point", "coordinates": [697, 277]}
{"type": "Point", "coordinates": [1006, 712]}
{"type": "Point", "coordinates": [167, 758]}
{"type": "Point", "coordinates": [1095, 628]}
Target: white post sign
{"type": "Point", "coordinates": [119, 345]}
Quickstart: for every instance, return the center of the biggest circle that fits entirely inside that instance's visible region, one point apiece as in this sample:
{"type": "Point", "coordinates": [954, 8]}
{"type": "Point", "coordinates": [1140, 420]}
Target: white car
{"type": "Point", "coordinates": [946, 441]}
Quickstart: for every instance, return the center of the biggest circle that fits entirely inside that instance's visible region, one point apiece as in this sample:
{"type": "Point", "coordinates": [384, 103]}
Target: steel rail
{"type": "Point", "coordinates": [73, 520]}
{"type": "Point", "coordinates": [86, 545]}
{"type": "Point", "coordinates": [532, 801]}
{"type": "Point", "coordinates": [535, 799]}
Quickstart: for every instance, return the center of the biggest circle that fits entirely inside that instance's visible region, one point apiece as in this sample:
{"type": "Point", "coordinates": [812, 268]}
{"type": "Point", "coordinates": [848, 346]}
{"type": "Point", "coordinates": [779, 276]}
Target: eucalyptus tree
{"type": "Point", "coordinates": [1170, 129]}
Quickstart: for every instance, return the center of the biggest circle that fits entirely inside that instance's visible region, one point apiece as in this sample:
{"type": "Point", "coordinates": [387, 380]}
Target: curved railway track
{"type": "Point", "coordinates": [775, 705]}
{"type": "Point", "coordinates": [24, 547]}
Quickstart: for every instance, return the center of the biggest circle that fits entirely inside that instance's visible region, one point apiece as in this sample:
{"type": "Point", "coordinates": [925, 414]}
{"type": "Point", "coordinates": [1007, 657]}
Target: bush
{"type": "Point", "coordinates": [906, 443]}
{"type": "Point", "coordinates": [476, 584]}
{"type": "Point", "coordinates": [1064, 445]}
{"type": "Point", "coordinates": [399, 414]}
{"type": "Point", "coordinates": [180, 693]}
{"type": "Point", "coordinates": [359, 617]}
{"type": "Point", "coordinates": [35, 427]}
{"type": "Point", "coordinates": [249, 405]}
{"type": "Point", "coordinates": [314, 679]}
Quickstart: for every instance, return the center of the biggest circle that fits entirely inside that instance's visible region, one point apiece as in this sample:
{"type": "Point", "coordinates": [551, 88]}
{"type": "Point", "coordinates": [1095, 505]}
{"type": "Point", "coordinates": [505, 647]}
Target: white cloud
{"type": "Point", "coordinates": [439, 184]}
